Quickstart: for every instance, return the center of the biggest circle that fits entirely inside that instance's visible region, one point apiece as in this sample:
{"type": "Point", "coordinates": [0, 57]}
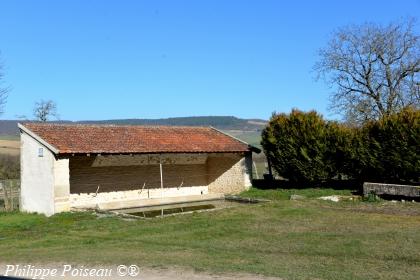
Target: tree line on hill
{"type": "Point", "coordinates": [9, 127]}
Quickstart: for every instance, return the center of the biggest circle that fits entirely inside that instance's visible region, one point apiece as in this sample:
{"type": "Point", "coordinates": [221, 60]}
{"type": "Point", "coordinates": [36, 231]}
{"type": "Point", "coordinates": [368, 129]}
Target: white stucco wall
{"type": "Point", "coordinates": [37, 177]}
{"type": "Point", "coordinates": [45, 185]}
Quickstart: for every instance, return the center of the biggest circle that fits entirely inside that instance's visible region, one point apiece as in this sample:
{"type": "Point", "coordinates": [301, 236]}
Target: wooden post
{"type": "Point", "coordinates": [11, 195]}
{"type": "Point", "coordinates": [270, 169]}
{"type": "Point", "coordinates": [161, 181]}
{"type": "Point", "coordinates": [5, 196]}
{"type": "Point", "coordinates": [2, 193]}
{"type": "Point", "coordinates": [161, 177]}
{"type": "Point", "coordinates": [256, 170]}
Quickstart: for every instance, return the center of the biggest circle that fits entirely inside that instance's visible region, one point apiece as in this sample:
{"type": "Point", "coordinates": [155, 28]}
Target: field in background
{"type": "Point", "coordinates": [292, 239]}
{"type": "Point", "coordinates": [251, 137]}
{"type": "Point", "coordinates": [9, 137]}
{"type": "Point", "coordinates": [10, 146]}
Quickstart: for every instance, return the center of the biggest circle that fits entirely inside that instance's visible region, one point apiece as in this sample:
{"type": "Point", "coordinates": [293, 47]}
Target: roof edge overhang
{"type": "Point", "coordinates": [38, 139]}
{"type": "Point", "coordinates": [66, 154]}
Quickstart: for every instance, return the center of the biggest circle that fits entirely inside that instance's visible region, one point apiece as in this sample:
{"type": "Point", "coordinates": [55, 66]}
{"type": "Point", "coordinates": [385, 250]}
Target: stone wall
{"type": "Point", "coordinates": [130, 178]}
{"type": "Point", "coordinates": [86, 176]}
{"type": "Point", "coordinates": [229, 173]}
{"type": "Point", "coordinates": [391, 189]}
{"type": "Point", "coordinates": [222, 173]}
{"type": "Point", "coordinates": [92, 200]}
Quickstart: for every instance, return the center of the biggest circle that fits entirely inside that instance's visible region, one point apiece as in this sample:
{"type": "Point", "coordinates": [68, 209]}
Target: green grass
{"type": "Point", "coordinates": [284, 194]}
{"type": "Point", "coordinates": [305, 239]}
{"type": "Point", "coordinates": [251, 137]}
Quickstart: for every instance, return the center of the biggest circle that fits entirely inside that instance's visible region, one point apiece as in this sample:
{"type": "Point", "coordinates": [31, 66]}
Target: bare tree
{"type": "Point", "coordinates": [43, 110]}
{"type": "Point", "coordinates": [3, 91]}
{"type": "Point", "coordinates": [374, 69]}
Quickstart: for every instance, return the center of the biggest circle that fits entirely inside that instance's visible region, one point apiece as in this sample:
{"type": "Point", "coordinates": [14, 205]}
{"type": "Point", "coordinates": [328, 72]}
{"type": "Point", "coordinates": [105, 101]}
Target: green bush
{"type": "Point", "coordinates": [340, 153]}
{"type": "Point", "coordinates": [296, 145]}
{"type": "Point", "coordinates": [305, 148]}
{"type": "Point", "coordinates": [393, 148]}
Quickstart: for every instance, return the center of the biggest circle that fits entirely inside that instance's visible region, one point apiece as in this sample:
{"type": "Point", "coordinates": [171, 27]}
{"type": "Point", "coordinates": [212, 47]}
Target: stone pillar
{"type": "Point", "coordinates": [248, 170]}
{"type": "Point", "coordinates": [61, 185]}
{"type": "Point", "coordinates": [228, 173]}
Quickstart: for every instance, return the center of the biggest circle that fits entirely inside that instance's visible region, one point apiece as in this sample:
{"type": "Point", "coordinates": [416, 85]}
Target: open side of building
{"type": "Point", "coordinates": [109, 167]}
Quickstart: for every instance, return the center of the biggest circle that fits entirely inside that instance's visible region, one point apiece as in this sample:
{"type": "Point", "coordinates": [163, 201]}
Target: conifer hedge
{"type": "Point", "coordinates": [305, 148]}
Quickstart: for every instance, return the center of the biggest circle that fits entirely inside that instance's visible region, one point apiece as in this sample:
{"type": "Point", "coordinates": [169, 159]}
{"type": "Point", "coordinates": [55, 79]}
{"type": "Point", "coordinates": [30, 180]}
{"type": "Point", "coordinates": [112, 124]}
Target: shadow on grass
{"type": "Point", "coordinates": [264, 184]}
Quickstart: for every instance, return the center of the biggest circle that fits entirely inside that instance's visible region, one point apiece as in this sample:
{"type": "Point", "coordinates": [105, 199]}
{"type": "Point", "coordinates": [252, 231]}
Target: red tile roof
{"type": "Point", "coordinates": [111, 139]}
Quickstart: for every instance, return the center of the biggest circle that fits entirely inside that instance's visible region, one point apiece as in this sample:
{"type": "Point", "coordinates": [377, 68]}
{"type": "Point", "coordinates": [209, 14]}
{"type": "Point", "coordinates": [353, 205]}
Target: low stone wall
{"type": "Point", "coordinates": [391, 189]}
{"type": "Point", "coordinates": [86, 174]}
{"type": "Point", "coordinates": [91, 200]}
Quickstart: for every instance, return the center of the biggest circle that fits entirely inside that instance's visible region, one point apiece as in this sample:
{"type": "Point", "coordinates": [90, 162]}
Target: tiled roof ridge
{"type": "Point", "coordinates": [115, 125]}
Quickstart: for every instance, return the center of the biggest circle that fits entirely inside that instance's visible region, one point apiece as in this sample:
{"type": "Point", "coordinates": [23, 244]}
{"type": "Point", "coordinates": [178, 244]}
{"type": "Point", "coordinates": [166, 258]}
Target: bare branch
{"type": "Point", "coordinates": [374, 69]}
{"type": "Point", "coordinates": [43, 110]}
{"type": "Point", "coordinates": [3, 91]}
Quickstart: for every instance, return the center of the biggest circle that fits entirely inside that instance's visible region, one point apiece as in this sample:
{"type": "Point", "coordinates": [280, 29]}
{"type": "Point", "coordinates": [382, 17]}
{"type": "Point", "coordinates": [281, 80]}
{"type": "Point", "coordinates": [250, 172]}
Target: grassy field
{"type": "Point", "coordinates": [9, 137]}
{"type": "Point", "coordinates": [302, 239]}
{"type": "Point", "coordinates": [10, 147]}
{"type": "Point", "coordinates": [251, 137]}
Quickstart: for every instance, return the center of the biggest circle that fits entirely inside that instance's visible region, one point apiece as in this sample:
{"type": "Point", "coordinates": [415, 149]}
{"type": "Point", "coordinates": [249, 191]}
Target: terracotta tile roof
{"type": "Point", "coordinates": [111, 139]}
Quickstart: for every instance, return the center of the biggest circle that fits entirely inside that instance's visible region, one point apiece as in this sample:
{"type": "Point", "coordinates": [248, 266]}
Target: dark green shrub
{"type": "Point", "coordinates": [297, 146]}
{"type": "Point", "coordinates": [393, 148]}
{"type": "Point", "coordinates": [341, 155]}
{"type": "Point", "coordinates": [305, 148]}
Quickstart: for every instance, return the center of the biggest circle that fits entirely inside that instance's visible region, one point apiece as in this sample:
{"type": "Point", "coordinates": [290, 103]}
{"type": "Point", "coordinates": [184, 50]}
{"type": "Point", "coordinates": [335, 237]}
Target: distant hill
{"type": "Point", "coordinates": [8, 127]}
{"type": "Point", "coordinates": [228, 123]}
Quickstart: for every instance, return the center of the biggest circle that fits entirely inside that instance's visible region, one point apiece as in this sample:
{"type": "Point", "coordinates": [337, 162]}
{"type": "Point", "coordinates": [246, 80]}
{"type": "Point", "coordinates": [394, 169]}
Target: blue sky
{"type": "Point", "coordinates": [154, 59]}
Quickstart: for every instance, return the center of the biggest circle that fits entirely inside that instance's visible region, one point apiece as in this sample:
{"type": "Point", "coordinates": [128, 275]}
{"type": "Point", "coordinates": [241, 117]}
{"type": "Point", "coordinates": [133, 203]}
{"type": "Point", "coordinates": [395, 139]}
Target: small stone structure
{"type": "Point", "coordinates": [391, 189]}
{"type": "Point", "coordinates": [109, 167]}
